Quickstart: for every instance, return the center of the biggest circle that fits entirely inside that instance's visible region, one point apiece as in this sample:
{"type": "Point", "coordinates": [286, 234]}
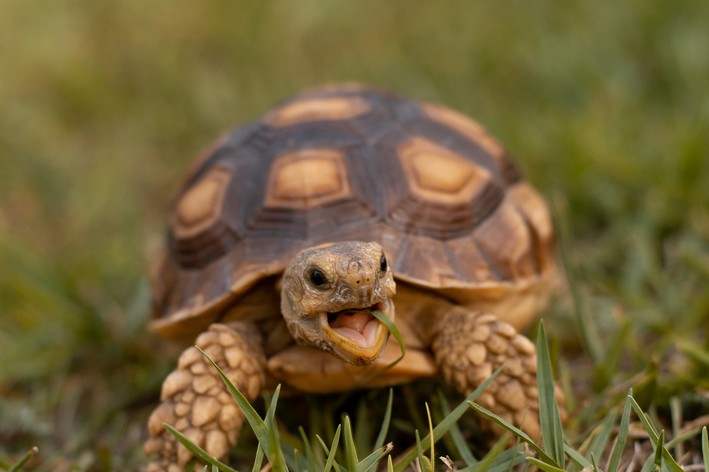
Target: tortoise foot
{"type": "Point", "coordinates": [195, 400]}
{"type": "Point", "coordinates": [471, 346]}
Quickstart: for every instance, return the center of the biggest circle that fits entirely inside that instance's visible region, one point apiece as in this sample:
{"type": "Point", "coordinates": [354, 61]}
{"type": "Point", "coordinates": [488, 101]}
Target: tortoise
{"type": "Point", "coordinates": [289, 232]}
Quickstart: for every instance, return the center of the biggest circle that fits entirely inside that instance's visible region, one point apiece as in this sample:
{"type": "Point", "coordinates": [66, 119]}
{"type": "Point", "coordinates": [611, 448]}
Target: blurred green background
{"type": "Point", "coordinates": [104, 104]}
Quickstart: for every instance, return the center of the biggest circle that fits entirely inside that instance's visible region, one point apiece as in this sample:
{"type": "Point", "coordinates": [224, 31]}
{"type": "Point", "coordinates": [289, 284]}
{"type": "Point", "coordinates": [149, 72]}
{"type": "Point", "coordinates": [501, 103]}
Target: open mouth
{"type": "Point", "coordinates": [357, 325]}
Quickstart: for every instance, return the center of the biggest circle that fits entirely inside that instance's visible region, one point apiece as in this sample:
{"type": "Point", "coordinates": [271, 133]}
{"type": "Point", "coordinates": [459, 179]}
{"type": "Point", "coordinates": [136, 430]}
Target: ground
{"type": "Point", "coordinates": [104, 105]}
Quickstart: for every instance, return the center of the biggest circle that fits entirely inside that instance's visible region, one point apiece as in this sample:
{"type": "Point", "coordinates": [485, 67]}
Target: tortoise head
{"type": "Point", "coordinates": [329, 293]}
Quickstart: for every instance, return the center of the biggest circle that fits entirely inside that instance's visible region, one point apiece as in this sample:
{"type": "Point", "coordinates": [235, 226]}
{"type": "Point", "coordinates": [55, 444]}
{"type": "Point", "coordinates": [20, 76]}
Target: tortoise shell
{"type": "Point", "coordinates": [351, 163]}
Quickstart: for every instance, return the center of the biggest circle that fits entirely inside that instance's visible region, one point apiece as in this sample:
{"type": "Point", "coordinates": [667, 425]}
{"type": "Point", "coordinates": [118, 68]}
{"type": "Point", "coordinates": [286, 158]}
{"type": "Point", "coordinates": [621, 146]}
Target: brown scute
{"type": "Point", "coordinates": [351, 163]}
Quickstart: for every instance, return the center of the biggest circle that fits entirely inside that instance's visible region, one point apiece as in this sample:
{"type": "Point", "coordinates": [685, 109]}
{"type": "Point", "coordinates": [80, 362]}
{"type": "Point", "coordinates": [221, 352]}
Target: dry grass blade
{"type": "Point", "coordinates": [430, 435]}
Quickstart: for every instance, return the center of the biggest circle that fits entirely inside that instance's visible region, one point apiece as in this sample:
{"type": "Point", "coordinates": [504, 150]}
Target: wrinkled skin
{"type": "Point", "coordinates": [346, 277]}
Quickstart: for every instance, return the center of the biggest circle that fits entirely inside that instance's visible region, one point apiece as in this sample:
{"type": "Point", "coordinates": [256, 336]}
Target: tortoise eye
{"type": "Point", "coordinates": [383, 266]}
{"type": "Point", "coordinates": [317, 278]}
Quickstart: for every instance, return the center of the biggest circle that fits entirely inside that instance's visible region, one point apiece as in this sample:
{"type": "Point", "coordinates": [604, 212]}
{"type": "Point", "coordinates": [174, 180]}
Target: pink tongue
{"type": "Point", "coordinates": [360, 327]}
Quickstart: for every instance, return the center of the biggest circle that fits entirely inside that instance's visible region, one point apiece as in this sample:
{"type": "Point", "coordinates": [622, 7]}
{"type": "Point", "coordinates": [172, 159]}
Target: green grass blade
{"type": "Point", "coordinates": [577, 458]}
{"type": "Point", "coordinates": [585, 322]}
{"type": "Point", "coordinates": [658, 449]}
{"type": "Point", "coordinates": [495, 451]}
{"type": "Point", "coordinates": [516, 431]}
{"type": "Point", "coordinates": [278, 462]}
{"type": "Point", "coordinates": [655, 436]}
{"type": "Point", "coordinates": [549, 417]}
{"type": "Point", "coordinates": [424, 464]}
{"type": "Point", "coordinates": [500, 462]}
{"type": "Point", "coordinates": [384, 429]}
{"type": "Point", "coordinates": [444, 426]}
{"type": "Point", "coordinates": [599, 443]}
{"type": "Point", "coordinates": [198, 452]}
{"type": "Point", "coordinates": [332, 450]}
{"type": "Point", "coordinates": [267, 437]}
{"type": "Point", "coordinates": [543, 465]}
{"type": "Point", "coordinates": [419, 448]}
{"type": "Point", "coordinates": [252, 416]}
{"type": "Point", "coordinates": [622, 438]}
{"type": "Point", "coordinates": [349, 444]}
{"type": "Point", "coordinates": [649, 466]}
{"type": "Point", "coordinates": [269, 419]}
{"type": "Point", "coordinates": [394, 332]}
{"type": "Point", "coordinates": [373, 459]}
{"type": "Point", "coordinates": [705, 448]}
{"type": "Point", "coordinates": [258, 459]}
{"type": "Point", "coordinates": [390, 464]}
{"type": "Point", "coordinates": [309, 453]}
{"type": "Point", "coordinates": [460, 443]}
{"type": "Point", "coordinates": [24, 459]}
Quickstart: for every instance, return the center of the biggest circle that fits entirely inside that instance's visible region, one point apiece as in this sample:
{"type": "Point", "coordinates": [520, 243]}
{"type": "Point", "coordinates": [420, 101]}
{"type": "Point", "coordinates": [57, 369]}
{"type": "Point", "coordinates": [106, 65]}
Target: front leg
{"type": "Point", "coordinates": [469, 346]}
{"type": "Point", "coordinates": [195, 400]}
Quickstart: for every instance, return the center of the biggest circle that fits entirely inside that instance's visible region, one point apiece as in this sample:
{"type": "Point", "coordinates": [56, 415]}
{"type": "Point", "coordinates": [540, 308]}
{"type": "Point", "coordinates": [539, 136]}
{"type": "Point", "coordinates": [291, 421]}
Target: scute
{"type": "Point", "coordinates": [351, 163]}
{"type": "Point", "coordinates": [201, 205]}
{"type": "Point", "coordinates": [307, 178]}
{"type": "Point", "coordinates": [438, 174]}
{"type": "Point", "coordinates": [315, 109]}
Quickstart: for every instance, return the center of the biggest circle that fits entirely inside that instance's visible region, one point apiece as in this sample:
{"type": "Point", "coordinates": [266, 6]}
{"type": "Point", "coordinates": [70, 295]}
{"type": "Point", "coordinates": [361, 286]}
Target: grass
{"type": "Point", "coordinates": [553, 454]}
{"type": "Point", "coordinates": [104, 105]}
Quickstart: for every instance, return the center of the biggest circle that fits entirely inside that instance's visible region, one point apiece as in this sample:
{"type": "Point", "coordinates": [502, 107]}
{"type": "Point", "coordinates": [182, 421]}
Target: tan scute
{"type": "Point", "coordinates": [201, 205]}
{"type": "Point", "coordinates": [307, 178]}
{"type": "Point", "coordinates": [315, 109]}
{"type": "Point", "coordinates": [439, 174]}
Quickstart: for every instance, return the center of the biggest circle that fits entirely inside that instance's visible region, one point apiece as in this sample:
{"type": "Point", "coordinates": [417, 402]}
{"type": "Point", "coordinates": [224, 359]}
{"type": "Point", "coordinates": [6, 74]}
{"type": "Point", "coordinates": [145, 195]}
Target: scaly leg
{"type": "Point", "coordinates": [469, 346]}
{"type": "Point", "coordinates": [195, 400]}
